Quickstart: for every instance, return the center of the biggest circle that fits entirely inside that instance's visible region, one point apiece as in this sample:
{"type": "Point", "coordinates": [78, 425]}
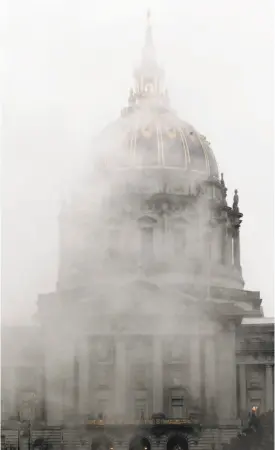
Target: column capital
{"type": "Point", "coordinates": [269, 388]}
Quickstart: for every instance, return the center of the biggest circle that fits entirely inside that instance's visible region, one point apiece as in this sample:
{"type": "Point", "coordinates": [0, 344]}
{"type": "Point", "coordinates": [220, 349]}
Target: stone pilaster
{"type": "Point", "coordinates": [228, 247]}
{"type": "Point", "coordinates": [59, 371]}
{"type": "Point", "coordinates": [84, 372]}
{"type": "Point", "coordinates": [68, 376]}
{"type": "Point", "coordinates": [227, 373]}
{"type": "Point", "coordinates": [210, 374]}
{"type": "Point", "coordinates": [157, 375]}
{"type": "Point", "coordinates": [12, 390]}
{"type": "Point", "coordinates": [237, 253]}
{"type": "Point", "coordinates": [195, 370]}
{"type": "Point", "coordinates": [54, 397]}
{"type": "Point", "coordinates": [243, 393]}
{"type": "Point", "coordinates": [268, 388]}
{"type": "Point", "coordinates": [120, 377]}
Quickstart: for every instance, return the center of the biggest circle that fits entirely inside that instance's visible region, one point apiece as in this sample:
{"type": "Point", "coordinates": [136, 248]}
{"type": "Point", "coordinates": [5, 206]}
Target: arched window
{"type": "Point", "coordinates": [146, 225]}
{"type": "Point", "coordinates": [102, 443]}
{"type": "Point", "coordinates": [177, 442]}
{"type": "Point", "coordinates": [140, 443]}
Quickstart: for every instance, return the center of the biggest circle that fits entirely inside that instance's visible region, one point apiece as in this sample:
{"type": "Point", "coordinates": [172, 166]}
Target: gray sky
{"type": "Point", "coordinates": [69, 68]}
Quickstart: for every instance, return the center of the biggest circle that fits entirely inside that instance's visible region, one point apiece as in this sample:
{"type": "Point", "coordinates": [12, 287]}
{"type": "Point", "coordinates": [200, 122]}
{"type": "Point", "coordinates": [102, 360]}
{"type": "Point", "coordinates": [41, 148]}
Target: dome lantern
{"type": "Point", "coordinates": [149, 76]}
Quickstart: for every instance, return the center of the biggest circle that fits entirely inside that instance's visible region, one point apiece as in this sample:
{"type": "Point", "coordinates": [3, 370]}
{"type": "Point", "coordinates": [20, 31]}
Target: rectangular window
{"type": "Point", "coordinates": [103, 374]}
{"type": "Point", "coordinates": [140, 409]}
{"type": "Point", "coordinates": [176, 377]}
{"type": "Point", "coordinates": [177, 407]}
{"type": "Point", "coordinates": [139, 376]}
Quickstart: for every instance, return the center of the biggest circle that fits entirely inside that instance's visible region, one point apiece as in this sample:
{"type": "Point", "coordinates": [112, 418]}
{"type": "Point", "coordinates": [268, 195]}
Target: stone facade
{"type": "Point", "coordinates": [121, 375]}
{"type": "Point", "coordinates": [150, 313]}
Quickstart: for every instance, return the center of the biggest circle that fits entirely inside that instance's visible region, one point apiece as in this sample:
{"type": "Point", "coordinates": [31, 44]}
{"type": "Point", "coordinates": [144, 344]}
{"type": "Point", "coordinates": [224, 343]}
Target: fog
{"type": "Point", "coordinates": [68, 73]}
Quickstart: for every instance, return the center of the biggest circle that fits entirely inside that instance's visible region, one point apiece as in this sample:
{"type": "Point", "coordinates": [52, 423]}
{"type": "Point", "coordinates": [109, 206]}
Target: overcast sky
{"type": "Point", "coordinates": [68, 70]}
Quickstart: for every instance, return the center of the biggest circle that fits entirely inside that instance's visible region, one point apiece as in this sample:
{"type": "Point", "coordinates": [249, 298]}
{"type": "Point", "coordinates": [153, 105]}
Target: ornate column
{"type": "Point", "coordinates": [157, 375]}
{"type": "Point", "coordinates": [268, 388]}
{"type": "Point", "coordinates": [84, 370]}
{"type": "Point", "coordinates": [195, 370]}
{"type": "Point", "coordinates": [228, 247]}
{"type": "Point", "coordinates": [227, 373]}
{"type": "Point", "coordinates": [53, 381]}
{"type": "Point", "coordinates": [12, 392]}
{"type": "Point", "coordinates": [120, 377]}
{"type": "Point", "coordinates": [236, 243]}
{"type": "Point", "coordinates": [59, 370]}
{"type": "Point", "coordinates": [243, 399]}
{"type": "Point", "coordinates": [210, 374]}
{"type": "Point", "coordinates": [68, 376]}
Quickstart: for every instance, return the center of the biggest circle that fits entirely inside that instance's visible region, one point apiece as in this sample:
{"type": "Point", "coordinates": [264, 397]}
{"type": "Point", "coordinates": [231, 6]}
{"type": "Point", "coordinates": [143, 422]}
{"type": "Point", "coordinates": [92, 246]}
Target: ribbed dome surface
{"type": "Point", "coordinates": [156, 138]}
{"type": "Point", "coordinates": [149, 140]}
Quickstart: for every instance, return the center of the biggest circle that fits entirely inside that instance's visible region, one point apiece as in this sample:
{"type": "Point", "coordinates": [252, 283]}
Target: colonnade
{"type": "Point", "coordinates": [267, 389]}
{"type": "Point", "coordinates": [212, 370]}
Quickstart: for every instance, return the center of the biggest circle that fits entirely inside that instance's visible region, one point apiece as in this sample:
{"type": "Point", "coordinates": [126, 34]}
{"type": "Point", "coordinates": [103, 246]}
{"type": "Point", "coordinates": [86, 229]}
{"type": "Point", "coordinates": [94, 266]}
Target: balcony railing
{"type": "Point", "coordinates": [256, 347]}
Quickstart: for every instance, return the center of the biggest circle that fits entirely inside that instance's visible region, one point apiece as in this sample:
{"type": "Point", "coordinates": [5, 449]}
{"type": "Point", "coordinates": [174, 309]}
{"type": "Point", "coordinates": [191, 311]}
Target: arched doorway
{"type": "Point", "coordinates": [177, 442]}
{"type": "Point", "coordinates": [102, 443]}
{"type": "Point", "coordinates": [140, 443]}
{"type": "Point", "coordinates": [42, 444]}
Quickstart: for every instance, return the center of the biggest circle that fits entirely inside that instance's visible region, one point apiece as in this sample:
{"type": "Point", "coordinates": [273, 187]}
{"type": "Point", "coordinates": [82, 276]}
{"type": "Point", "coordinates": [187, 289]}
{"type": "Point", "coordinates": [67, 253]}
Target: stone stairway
{"type": "Point", "coordinates": [207, 438]}
{"type": "Point", "coordinates": [227, 434]}
{"type": "Point", "coordinates": [211, 439]}
{"type": "Point", "coordinates": [71, 440]}
{"type": "Point", "coordinates": [268, 438]}
{"type": "Point", "coordinates": [11, 437]}
{"type": "Point", "coordinates": [52, 436]}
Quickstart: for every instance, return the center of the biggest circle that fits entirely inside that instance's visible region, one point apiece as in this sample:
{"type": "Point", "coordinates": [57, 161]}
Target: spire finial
{"type": "Point", "coordinates": [149, 76]}
{"type": "Point", "coordinates": [148, 17]}
{"type": "Point", "coordinates": [149, 37]}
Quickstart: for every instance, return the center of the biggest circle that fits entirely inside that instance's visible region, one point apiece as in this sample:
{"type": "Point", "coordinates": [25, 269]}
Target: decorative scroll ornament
{"type": "Point", "coordinates": [171, 133]}
{"type": "Point", "coordinates": [147, 132]}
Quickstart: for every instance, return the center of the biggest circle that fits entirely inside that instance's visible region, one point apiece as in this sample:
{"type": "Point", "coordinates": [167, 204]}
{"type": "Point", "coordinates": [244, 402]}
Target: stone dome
{"type": "Point", "coordinates": [150, 140]}
{"type": "Point", "coordinates": [155, 138]}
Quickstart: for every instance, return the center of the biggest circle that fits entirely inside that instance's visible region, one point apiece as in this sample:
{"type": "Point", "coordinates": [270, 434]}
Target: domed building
{"type": "Point", "coordinates": [150, 320]}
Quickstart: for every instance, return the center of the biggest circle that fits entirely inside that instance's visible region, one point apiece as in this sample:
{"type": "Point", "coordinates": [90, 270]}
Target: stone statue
{"type": "Point", "coordinates": [236, 201]}
{"type": "Point", "coordinates": [131, 98]}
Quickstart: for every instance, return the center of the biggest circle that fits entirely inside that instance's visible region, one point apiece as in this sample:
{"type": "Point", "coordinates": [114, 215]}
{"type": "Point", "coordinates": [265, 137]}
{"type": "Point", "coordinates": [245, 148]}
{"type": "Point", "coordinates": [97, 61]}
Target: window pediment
{"type": "Point", "coordinates": [147, 221]}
